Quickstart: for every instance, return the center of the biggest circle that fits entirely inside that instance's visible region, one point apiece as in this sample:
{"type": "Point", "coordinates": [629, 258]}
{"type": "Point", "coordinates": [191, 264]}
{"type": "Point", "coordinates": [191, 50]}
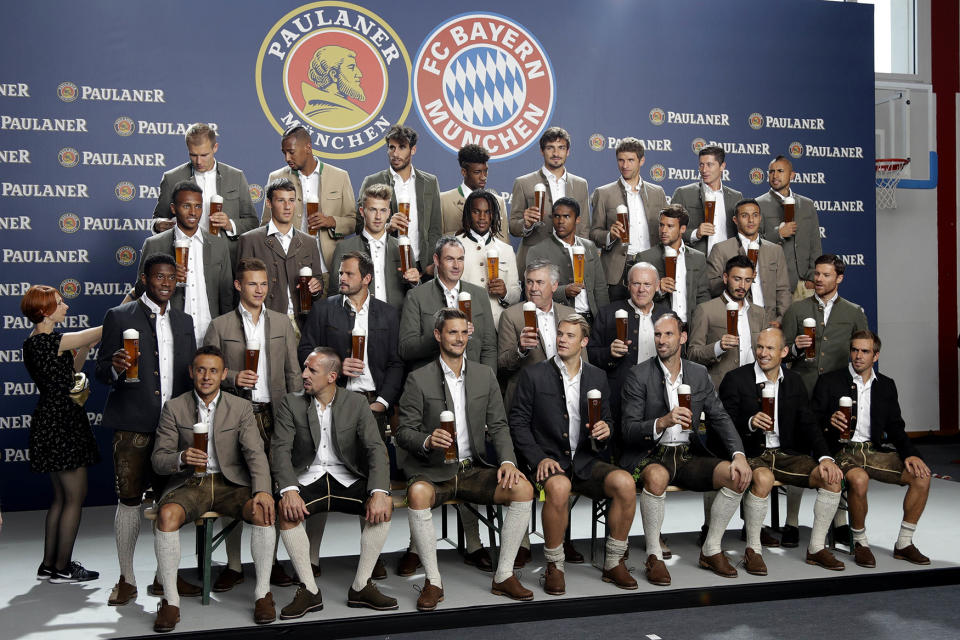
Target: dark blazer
{"type": "Point", "coordinates": [797, 426]}
{"type": "Point", "coordinates": [283, 268]}
{"type": "Point", "coordinates": [800, 249]}
{"type": "Point", "coordinates": [594, 281]}
{"type": "Point", "coordinates": [691, 197]}
{"type": "Point", "coordinates": [887, 427]}
{"type": "Point", "coordinates": [330, 324]}
{"type": "Point", "coordinates": [697, 284]}
{"type": "Point", "coordinates": [135, 406]}
{"type": "Point", "coordinates": [509, 362]}
{"type": "Point", "coordinates": [522, 198]}
{"type": "Point", "coordinates": [396, 286]}
{"type": "Point", "coordinates": [356, 441]}
{"type": "Point", "coordinates": [539, 419]}
{"type": "Point", "coordinates": [645, 400]}
{"type": "Point", "coordinates": [425, 396]}
{"type": "Point", "coordinates": [604, 203]}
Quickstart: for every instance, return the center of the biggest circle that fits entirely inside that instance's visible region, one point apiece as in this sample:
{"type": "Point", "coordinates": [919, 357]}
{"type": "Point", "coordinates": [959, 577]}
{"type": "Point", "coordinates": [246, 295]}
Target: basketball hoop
{"type": "Point", "coordinates": [888, 176]}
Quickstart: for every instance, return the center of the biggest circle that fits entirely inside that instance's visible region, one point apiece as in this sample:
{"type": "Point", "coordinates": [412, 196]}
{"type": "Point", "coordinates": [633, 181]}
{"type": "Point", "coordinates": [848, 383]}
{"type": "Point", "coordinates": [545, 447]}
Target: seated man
{"type": "Point", "coordinates": [861, 446]}
{"type": "Point", "coordinates": [662, 446]}
{"type": "Point", "coordinates": [779, 448]}
{"type": "Point", "coordinates": [328, 455]}
{"type": "Point", "coordinates": [234, 479]}
{"type": "Point", "coordinates": [471, 393]}
{"type": "Point", "coordinates": [550, 425]}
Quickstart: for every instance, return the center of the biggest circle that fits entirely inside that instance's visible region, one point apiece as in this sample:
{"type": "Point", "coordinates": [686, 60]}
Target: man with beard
{"type": "Point", "coordinates": [702, 235]}
{"type": "Point", "coordinates": [472, 159]}
{"type": "Point", "coordinates": [336, 81]}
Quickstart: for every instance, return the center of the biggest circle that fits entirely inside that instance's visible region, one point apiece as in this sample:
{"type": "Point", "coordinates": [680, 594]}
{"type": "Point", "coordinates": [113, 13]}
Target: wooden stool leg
{"type": "Point", "coordinates": [207, 529]}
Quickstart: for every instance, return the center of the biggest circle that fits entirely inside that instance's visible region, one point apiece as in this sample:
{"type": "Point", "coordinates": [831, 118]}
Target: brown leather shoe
{"type": "Point", "coordinates": [479, 559]}
{"type": "Point", "coordinates": [753, 563]}
{"type": "Point", "coordinates": [620, 576]}
{"type": "Point", "coordinates": [570, 553]}
{"type": "Point", "coordinates": [430, 597]}
{"type": "Point", "coordinates": [227, 580]}
{"type": "Point", "coordinates": [408, 564]}
{"type": "Point", "coordinates": [371, 598]}
{"type": "Point", "coordinates": [657, 573]}
{"type": "Point", "coordinates": [167, 617]}
{"type": "Point", "coordinates": [664, 549]}
{"type": "Point", "coordinates": [719, 564]}
{"type": "Point", "coordinates": [184, 588]}
{"type": "Point", "coordinates": [863, 556]}
{"type": "Point", "coordinates": [123, 592]}
{"type": "Point", "coordinates": [303, 603]}
{"type": "Point", "coordinates": [523, 557]}
{"type": "Point", "coordinates": [279, 577]}
{"type": "Point", "coordinates": [825, 559]}
{"type": "Point", "coordinates": [911, 554]}
{"type": "Point", "coordinates": [264, 610]}
{"type": "Point", "coordinates": [553, 581]}
{"type": "Point", "coordinates": [511, 588]}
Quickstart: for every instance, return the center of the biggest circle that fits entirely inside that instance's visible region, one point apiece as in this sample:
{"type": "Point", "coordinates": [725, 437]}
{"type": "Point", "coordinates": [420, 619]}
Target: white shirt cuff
{"type": "Point", "coordinates": [694, 236]}
{"type": "Point", "coordinates": [232, 231]}
{"type": "Point", "coordinates": [285, 489]}
{"type": "Point", "coordinates": [717, 349]}
{"type": "Point", "coordinates": [378, 491]}
{"type": "Point", "coordinates": [386, 405]}
{"type": "Point", "coordinates": [822, 458]}
{"type": "Point", "coordinates": [735, 453]}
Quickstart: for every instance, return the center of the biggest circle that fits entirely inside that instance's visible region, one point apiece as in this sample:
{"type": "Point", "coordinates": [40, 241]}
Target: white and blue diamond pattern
{"type": "Point", "coordinates": [484, 86]}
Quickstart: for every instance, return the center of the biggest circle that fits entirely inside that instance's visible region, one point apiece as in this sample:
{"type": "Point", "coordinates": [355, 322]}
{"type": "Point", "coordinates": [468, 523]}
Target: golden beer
{"type": "Point", "coordinates": [181, 254]}
{"type": "Point", "coordinates": [313, 207]}
{"type": "Point", "coordinates": [539, 198]}
{"type": "Point", "coordinates": [810, 330]}
{"type": "Point", "coordinates": [216, 206]}
{"type": "Point", "coordinates": [768, 401]}
{"type": "Point", "coordinates": [623, 217]}
{"type": "Point", "coordinates": [131, 344]}
{"type": "Point", "coordinates": [529, 315]}
{"type": "Point", "coordinates": [622, 319]}
{"type": "Point", "coordinates": [406, 254]}
{"type": "Point", "coordinates": [251, 356]}
{"type": "Point", "coordinates": [670, 263]}
{"type": "Point", "coordinates": [733, 312]}
{"type": "Point", "coordinates": [683, 399]}
{"type": "Point", "coordinates": [493, 264]}
{"type": "Point", "coordinates": [709, 208]}
{"type": "Point", "coordinates": [306, 298]}
{"type": "Point", "coordinates": [465, 303]}
{"type": "Point", "coordinates": [447, 424]}
{"type": "Point", "coordinates": [579, 262]}
{"type": "Point", "coordinates": [846, 408]}
{"type": "Point", "coordinates": [200, 436]}
{"type": "Point", "coordinates": [358, 341]}
{"type": "Point", "coordinates": [788, 209]}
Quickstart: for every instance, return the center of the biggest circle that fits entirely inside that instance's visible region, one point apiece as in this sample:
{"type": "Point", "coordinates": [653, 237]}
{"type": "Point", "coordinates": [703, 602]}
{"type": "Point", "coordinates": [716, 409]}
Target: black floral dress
{"type": "Point", "coordinates": [60, 434]}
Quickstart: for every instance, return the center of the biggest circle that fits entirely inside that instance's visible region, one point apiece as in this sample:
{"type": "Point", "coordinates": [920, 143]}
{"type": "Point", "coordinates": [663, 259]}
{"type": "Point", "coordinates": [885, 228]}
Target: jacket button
{"type": "Point", "coordinates": [156, 373]}
{"type": "Point", "coordinates": [567, 452]}
{"type": "Point", "coordinates": [156, 393]}
{"type": "Point", "coordinates": [156, 353]}
{"type": "Point", "coordinates": [825, 338]}
{"type": "Point", "coordinates": [565, 436]}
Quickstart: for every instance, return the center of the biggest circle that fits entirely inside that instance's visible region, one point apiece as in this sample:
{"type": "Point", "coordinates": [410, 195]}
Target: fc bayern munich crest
{"type": "Point", "coordinates": [123, 126]}
{"type": "Point", "coordinates": [68, 157]}
{"type": "Point", "coordinates": [69, 223]}
{"type": "Point", "coordinates": [70, 288]}
{"type": "Point", "coordinates": [795, 149]}
{"type": "Point", "coordinates": [126, 255]}
{"type": "Point", "coordinates": [339, 70]}
{"type": "Point", "coordinates": [757, 175]}
{"type": "Point", "coordinates": [483, 78]}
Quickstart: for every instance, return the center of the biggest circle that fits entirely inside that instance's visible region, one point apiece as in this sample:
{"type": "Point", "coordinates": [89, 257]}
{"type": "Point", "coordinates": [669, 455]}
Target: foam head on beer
{"type": "Point", "coordinates": [312, 200]}
{"type": "Point", "coordinates": [789, 200]}
{"type": "Point", "coordinates": [809, 322]}
{"type": "Point", "coordinates": [529, 306]}
{"type": "Point", "coordinates": [753, 245]}
{"type": "Point", "coordinates": [594, 394]}
{"type": "Point", "coordinates": [732, 306]}
{"type": "Point", "coordinates": [622, 208]}
{"type": "Point", "coordinates": [767, 392]}
{"type": "Point", "coordinates": [621, 314]}
{"type": "Point", "coordinates": [131, 334]}
{"type": "Point", "coordinates": [358, 331]}
{"type": "Point", "coordinates": [578, 250]}
{"type": "Point", "coordinates": [306, 272]}
{"type": "Point", "coordinates": [216, 199]}
{"type": "Point", "coordinates": [539, 187]}
{"type": "Point", "coordinates": [669, 252]}
{"type": "Point", "coordinates": [683, 390]}
{"type": "Point", "coordinates": [200, 428]}
{"type": "Point", "coordinates": [253, 345]}
{"type": "Point", "coordinates": [845, 401]}
{"type": "Point", "coordinates": [446, 416]}
{"type": "Point", "coordinates": [464, 296]}
{"type": "Point", "coordinates": [492, 253]}
{"type": "Point", "coordinates": [181, 244]}
{"type": "Point", "coordinates": [403, 241]}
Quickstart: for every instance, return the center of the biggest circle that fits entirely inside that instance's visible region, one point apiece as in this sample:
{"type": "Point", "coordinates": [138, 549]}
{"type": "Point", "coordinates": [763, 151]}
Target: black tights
{"type": "Point", "coordinates": [63, 517]}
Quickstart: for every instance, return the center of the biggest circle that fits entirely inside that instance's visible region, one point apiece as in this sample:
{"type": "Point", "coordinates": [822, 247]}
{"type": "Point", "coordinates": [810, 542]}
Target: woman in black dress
{"type": "Point", "coordinates": [61, 441]}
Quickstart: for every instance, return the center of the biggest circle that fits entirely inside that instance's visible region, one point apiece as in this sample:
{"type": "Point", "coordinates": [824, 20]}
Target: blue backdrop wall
{"type": "Point", "coordinates": [95, 96]}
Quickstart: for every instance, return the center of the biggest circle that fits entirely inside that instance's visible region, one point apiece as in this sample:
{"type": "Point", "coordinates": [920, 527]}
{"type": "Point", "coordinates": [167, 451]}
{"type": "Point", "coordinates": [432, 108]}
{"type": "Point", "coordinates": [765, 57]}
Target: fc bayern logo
{"type": "Point", "coordinates": [697, 144]}
{"type": "Point", "coordinates": [658, 173]}
{"type": "Point", "coordinates": [339, 70]}
{"type": "Point", "coordinates": [597, 142]}
{"type": "Point", "coordinates": [657, 116]}
{"type": "Point", "coordinates": [67, 91]}
{"type": "Point", "coordinates": [756, 175]}
{"type": "Point", "coordinates": [126, 255]}
{"type": "Point", "coordinates": [123, 126]}
{"type": "Point", "coordinates": [755, 120]}
{"type": "Point", "coordinates": [68, 157]}
{"type": "Point", "coordinates": [125, 191]}
{"type": "Point", "coordinates": [796, 149]}
{"type": "Point", "coordinates": [70, 288]}
{"type": "Point", "coordinates": [69, 223]}
{"type": "Point", "coordinates": [256, 192]}
{"type": "Point", "coordinates": [483, 78]}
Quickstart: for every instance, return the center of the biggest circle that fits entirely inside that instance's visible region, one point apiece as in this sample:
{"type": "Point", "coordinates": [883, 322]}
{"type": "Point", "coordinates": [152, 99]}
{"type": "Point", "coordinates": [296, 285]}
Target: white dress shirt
{"type": "Point", "coordinates": [195, 302]}
{"type": "Point", "coordinates": [450, 295]}
{"type": "Point", "coordinates": [646, 348]}
{"type": "Point", "coordinates": [773, 437]}
{"type": "Point", "coordinates": [164, 347]}
{"type": "Point", "coordinates": [547, 325]}
{"type": "Point", "coordinates": [257, 331]}
{"type": "Point", "coordinates": [455, 383]}
{"type": "Point", "coordinates": [406, 190]}
{"type": "Point", "coordinates": [378, 254]}
{"type": "Point", "coordinates": [678, 300]}
{"type": "Point", "coordinates": [571, 391]}
{"type": "Point", "coordinates": [207, 181]}
{"type": "Point", "coordinates": [206, 415]}
{"type": "Point", "coordinates": [363, 382]}
{"type": "Point", "coordinates": [558, 186]}
{"type": "Point", "coordinates": [827, 305]}
{"type": "Point", "coordinates": [284, 239]}
{"type": "Point", "coordinates": [580, 303]}
{"type": "Point", "coordinates": [756, 292]}
{"type": "Point", "coordinates": [639, 232]}
{"type": "Point", "coordinates": [326, 460]}
{"type": "Point", "coordinates": [719, 216]}
{"type": "Point", "coordinates": [310, 186]}
{"type": "Point", "coordinates": [673, 435]}
{"type": "Point", "coordinates": [862, 432]}
{"type": "Point", "coordinates": [746, 355]}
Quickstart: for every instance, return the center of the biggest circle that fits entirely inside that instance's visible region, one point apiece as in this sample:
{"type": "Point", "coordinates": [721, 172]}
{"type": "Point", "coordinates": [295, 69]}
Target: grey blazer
{"type": "Point", "coordinates": [522, 198]}
{"type": "Point", "coordinates": [594, 282]}
{"type": "Point", "coordinates": [604, 203]}
{"type": "Point", "coordinates": [708, 325]}
{"type": "Point", "coordinates": [804, 247]}
{"type": "Point", "coordinates": [771, 267]}
{"type": "Point", "coordinates": [509, 361]}
{"type": "Point", "coordinates": [283, 267]}
{"type": "Point", "coordinates": [697, 285]}
{"type": "Point", "coordinates": [396, 286]}
{"type": "Point", "coordinates": [691, 197]}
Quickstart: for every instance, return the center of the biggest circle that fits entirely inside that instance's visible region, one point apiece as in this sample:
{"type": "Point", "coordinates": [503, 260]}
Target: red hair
{"type": "Point", "coordinates": [38, 302]}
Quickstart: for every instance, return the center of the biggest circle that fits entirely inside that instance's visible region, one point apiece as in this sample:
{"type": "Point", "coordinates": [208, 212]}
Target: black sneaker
{"type": "Point", "coordinates": [73, 573]}
{"type": "Point", "coordinates": [44, 572]}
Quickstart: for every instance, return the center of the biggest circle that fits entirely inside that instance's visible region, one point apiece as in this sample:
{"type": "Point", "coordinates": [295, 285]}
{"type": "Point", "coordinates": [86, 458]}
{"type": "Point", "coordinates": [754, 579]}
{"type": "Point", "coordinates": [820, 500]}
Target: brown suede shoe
{"type": "Point", "coordinates": [264, 610]}
{"type": "Point", "coordinates": [911, 554]}
{"type": "Point", "coordinates": [227, 580]}
{"type": "Point", "coordinates": [825, 559]}
{"type": "Point", "coordinates": [511, 588]}
{"type": "Point", "coordinates": [408, 564]}
{"type": "Point", "coordinates": [523, 557]}
{"type": "Point", "coordinates": [570, 553]}
{"type": "Point", "coordinates": [303, 602]}
{"type": "Point", "coordinates": [379, 570]}
{"type": "Point", "coordinates": [620, 576]}
{"type": "Point", "coordinates": [279, 577]}
{"type": "Point", "coordinates": [863, 556]}
{"type": "Point", "coordinates": [123, 592]}
{"type": "Point", "coordinates": [430, 597]}
{"type": "Point", "coordinates": [184, 588]}
{"type": "Point", "coordinates": [371, 598]}
{"type": "Point", "coordinates": [664, 549]}
{"type": "Point", "coordinates": [657, 573]}
{"type": "Point", "coordinates": [553, 581]}
{"type": "Point", "coordinates": [719, 564]}
{"type": "Point", "coordinates": [753, 563]}
{"type": "Point", "coordinates": [167, 617]}
{"type": "Point", "coordinates": [479, 559]}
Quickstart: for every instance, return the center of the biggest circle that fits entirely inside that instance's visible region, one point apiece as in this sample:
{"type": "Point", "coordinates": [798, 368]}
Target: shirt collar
{"type": "Point", "coordinates": [153, 306]}
{"type": "Point", "coordinates": [549, 176]}
{"type": "Point", "coordinates": [563, 369]}
{"type": "Point", "coordinates": [666, 373]}
{"type": "Point", "coordinates": [761, 376]}
{"type": "Point", "coordinates": [396, 176]}
{"type": "Point", "coordinates": [178, 234]}
{"type": "Point", "coordinates": [465, 190]}
{"type": "Point", "coordinates": [638, 309]}
{"type": "Point", "coordinates": [443, 287]}
{"type": "Point", "coordinates": [546, 313]}
{"type": "Point", "coordinates": [347, 304]}
{"type": "Point", "coordinates": [628, 187]}
{"type": "Point", "coordinates": [201, 403]}
{"type": "Point", "coordinates": [316, 171]}
{"type": "Point", "coordinates": [249, 316]}
{"type": "Point", "coordinates": [484, 239]}
{"type": "Point", "coordinates": [576, 240]}
{"type": "Point", "coordinates": [827, 303]}
{"type": "Point", "coordinates": [448, 372]}
{"type": "Point", "coordinates": [272, 229]}
{"type": "Point", "coordinates": [745, 242]}
{"type": "Point", "coordinates": [777, 193]}
{"type": "Point", "coordinates": [205, 174]}
{"type": "Point", "coordinates": [857, 378]}
{"type": "Point", "coordinates": [366, 234]}
{"type": "Point", "coordinates": [707, 188]}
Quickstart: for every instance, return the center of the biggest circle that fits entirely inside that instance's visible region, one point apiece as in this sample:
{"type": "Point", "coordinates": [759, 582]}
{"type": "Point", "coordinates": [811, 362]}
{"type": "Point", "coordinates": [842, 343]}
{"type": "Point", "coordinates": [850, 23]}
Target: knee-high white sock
{"type": "Point", "coordinates": [724, 506]}
{"type": "Point", "coordinates": [514, 526]}
{"type": "Point", "coordinates": [232, 544]}
{"type": "Point", "coordinates": [424, 540]}
{"type": "Point", "coordinates": [794, 496]}
{"type": "Point", "coordinates": [615, 550]}
{"type": "Point", "coordinates": [298, 548]}
{"type": "Point", "coordinates": [166, 544]}
{"type": "Point", "coordinates": [371, 544]}
{"type": "Point", "coordinates": [754, 513]}
{"type": "Point", "coordinates": [859, 536]}
{"type": "Point", "coordinates": [126, 527]}
{"type": "Point", "coordinates": [708, 498]}
{"type": "Point", "coordinates": [823, 511]}
{"type": "Point", "coordinates": [905, 539]}
{"type": "Point", "coordinates": [554, 555]}
{"type": "Point", "coordinates": [315, 526]}
{"type": "Point", "coordinates": [261, 548]}
{"type": "Point", "coordinates": [651, 515]}
{"type": "Point", "coordinates": [471, 528]}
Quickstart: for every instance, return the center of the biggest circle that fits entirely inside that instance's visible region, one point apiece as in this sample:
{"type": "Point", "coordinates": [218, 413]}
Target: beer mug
{"type": "Point", "coordinates": [313, 206]}
{"type": "Point", "coordinates": [216, 206]}
{"type": "Point", "coordinates": [621, 318]}
{"type": "Point", "coordinates": [447, 424]}
{"type": "Point", "coordinates": [579, 260]}
{"type": "Point", "coordinates": [529, 315]}
{"type": "Point", "coordinates": [306, 298]}
{"type": "Point", "coordinates": [846, 408]}
{"type": "Point", "coordinates": [200, 442]}
{"type": "Point", "coordinates": [623, 217]}
{"type": "Point", "coordinates": [358, 343]}
{"type": "Point", "coordinates": [594, 407]}
{"type": "Point", "coordinates": [131, 344]}
{"type": "Point", "coordinates": [670, 263]}
{"type": "Point", "coordinates": [403, 206]}
{"type": "Point", "coordinates": [753, 252]}
{"type": "Point", "coordinates": [406, 254]}
{"type": "Point", "coordinates": [709, 208]}
{"type": "Point", "coordinates": [539, 199]}
{"type": "Point", "coordinates": [181, 253]}
{"type": "Point", "coordinates": [464, 303]}
{"type": "Point", "coordinates": [810, 330]}
{"type": "Point", "coordinates": [493, 264]}
{"type": "Point", "coordinates": [733, 313]}
{"type": "Point", "coordinates": [788, 209]}
{"type": "Point", "coordinates": [251, 356]}
{"type": "Point", "coordinates": [768, 401]}
{"type": "Point", "coordinates": [683, 398]}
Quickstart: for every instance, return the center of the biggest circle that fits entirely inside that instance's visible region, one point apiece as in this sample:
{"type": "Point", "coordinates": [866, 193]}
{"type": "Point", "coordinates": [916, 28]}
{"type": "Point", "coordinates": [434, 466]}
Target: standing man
{"type": "Point", "coordinates": [531, 224]}
{"type": "Point", "coordinates": [418, 188]}
{"type": "Point", "coordinates": [470, 392]}
{"type": "Point", "coordinates": [559, 247]}
{"type": "Point", "coordinates": [862, 445]}
{"type": "Point", "coordinates": [703, 235]}
{"type": "Point", "coordinates": [770, 288]}
{"type": "Point", "coordinates": [800, 238]}
{"type": "Point", "coordinates": [208, 277]}
{"type": "Point", "coordinates": [133, 406]}
{"type": "Point", "coordinates": [316, 181]}
{"type": "Point", "coordinates": [214, 179]}
{"type": "Point", "coordinates": [643, 200]}
{"type": "Point", "coordinates": [473, 167]}
{"type": "Point", "coordinates": [560, 448]}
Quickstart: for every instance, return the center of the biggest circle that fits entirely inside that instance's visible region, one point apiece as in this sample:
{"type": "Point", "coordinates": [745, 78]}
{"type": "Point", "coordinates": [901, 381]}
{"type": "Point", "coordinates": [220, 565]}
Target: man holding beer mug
{"type": "Point", "coordinates": [449, 410]}
{"type": "Point", "coordinates": [770, 409]}
{"type": "Point", "coordinates": [861, 435]}
{"type": "Point", "coordinates": [150, 338]}
{"type": "Point", "coordinates": [709, 202]}
{"type": "Point", "coordinates": [209, 442]}
{"type": "Point", "coordinates": [560, 444]}
{"type": "Point", "coordinates": [663, 398]}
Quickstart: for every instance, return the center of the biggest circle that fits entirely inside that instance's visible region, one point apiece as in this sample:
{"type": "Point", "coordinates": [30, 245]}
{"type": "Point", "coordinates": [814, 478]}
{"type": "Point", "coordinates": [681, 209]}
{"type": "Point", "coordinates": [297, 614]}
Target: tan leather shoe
{"type": "Point", "coordinates": [753, 563]}
{"type": "Point", "coordinates": [511, 588]}
{"type": "Point", "coordinates": [123, 592]}
{"type": "Point", "coordinates": [554, 582]}
{"type": "Point", "coordinates": [167, 617]}
{"type": "Point", "coordinates": [657, 573]}
{"type": "Point", "coordinates": [719, 564]}
{"type": "Point", "coordinates": [620, 576]}
{"type": "Point", "coordinates": [825, 559]}
{"type": "Point", "coordinates": [430, 597]}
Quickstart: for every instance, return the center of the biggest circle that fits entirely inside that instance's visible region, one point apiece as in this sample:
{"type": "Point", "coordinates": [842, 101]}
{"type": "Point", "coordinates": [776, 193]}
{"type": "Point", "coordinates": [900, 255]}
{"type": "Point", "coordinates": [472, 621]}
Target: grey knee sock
{"type": "Point", "coordinates": [794, 496]}
{"type": "Point", "coordinates": [754, 513]}
{"type": "Point", "coordinates": [315, 526]}
{"type": "Point", "coordinates": [424, 540]}
{"type": "Point", "coordinates": [298, 548]}
{"type": "Point", "coordinates": [371, 544]}
{"type": "Point", "coordinates": [166, 544]}
{"type": "Point", "coordinates": [615, 550]}
{"type": "Point", "coordinates": [554, 555]}
{"type": "Point", "coordinates": [651, 515]}
{"type": "Point", "coordinates": [232, 544]}
{"type": "Point", "coordinates": [471, 528]}
{"type": "Point", "coordinates": [514, 526]}
{"type": "Point", "coordinates": [708, 498]}
{"type": "Point", "coordinates": [261, 548]}
{"type": "Point", "coordinates": [725, 505]}
{"type": "Point", "coordinates": [126, 526]}
{"type": "Point", "coordinates": [823, 511]}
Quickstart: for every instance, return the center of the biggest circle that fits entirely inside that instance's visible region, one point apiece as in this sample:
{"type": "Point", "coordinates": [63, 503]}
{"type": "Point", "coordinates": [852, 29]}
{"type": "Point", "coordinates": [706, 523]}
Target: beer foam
{"type": "Point", "coordinates": [131, 334]}
{"type": "Point", "coordinates": [594, 394]}
{"type": "Point", "coordinates": [809, 322]}
{"type": "Point", "coordinates": [201, 427]}
{"type": "Point", "coordinates": [306, 272]}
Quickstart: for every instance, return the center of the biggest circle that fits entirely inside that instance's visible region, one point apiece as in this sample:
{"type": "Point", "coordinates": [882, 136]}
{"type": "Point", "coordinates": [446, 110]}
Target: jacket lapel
{"type": "Point", "coordinates": [312, 420]}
